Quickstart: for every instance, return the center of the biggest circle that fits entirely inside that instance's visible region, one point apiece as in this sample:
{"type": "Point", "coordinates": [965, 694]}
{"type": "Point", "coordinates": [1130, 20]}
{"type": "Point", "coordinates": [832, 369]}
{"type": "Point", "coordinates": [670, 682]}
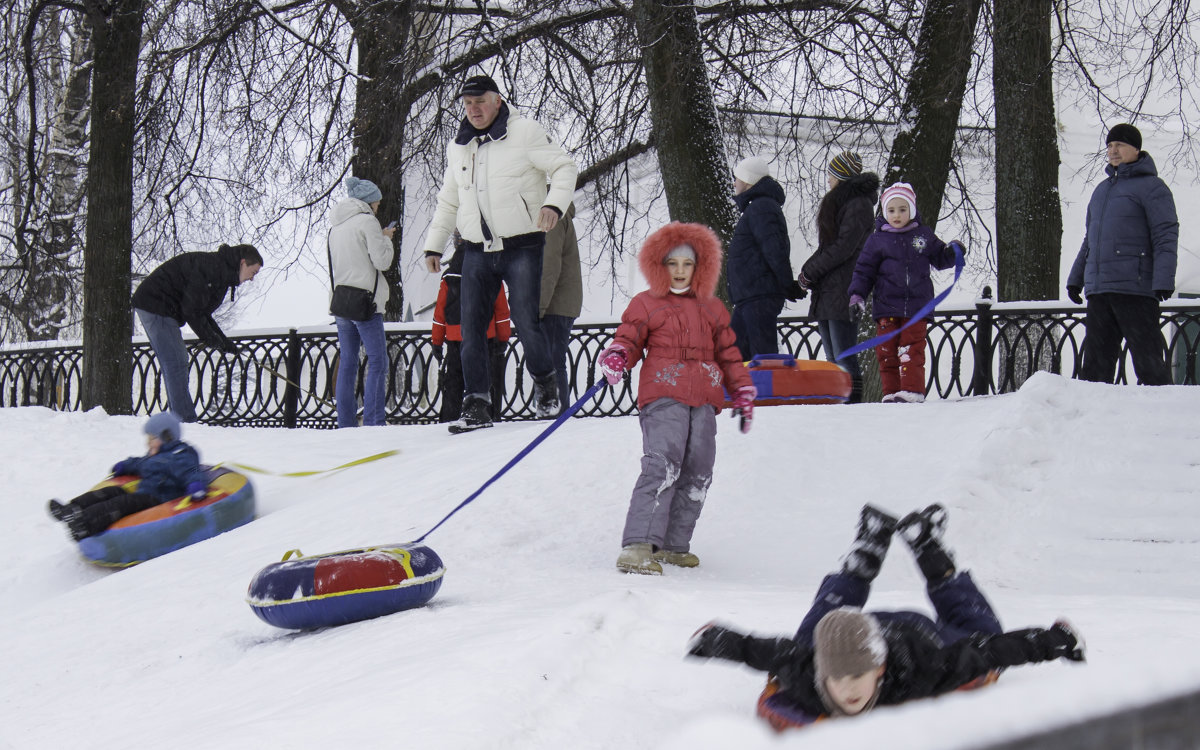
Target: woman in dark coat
{"type": "Point", "coordinates": [844, 222]}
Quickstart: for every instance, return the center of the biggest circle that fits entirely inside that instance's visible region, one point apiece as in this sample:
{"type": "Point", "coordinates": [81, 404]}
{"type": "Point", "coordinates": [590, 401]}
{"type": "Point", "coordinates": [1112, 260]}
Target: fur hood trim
{"type": "Point", "coordinates": [703, 240]}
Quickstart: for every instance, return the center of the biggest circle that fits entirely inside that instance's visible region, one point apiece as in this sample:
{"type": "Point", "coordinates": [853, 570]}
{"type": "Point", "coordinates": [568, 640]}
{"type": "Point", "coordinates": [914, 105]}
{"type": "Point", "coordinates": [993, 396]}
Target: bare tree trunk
{"type": "Point", "coordinates": [687, 135]}
{"type": "Point", "coordinates": [388, 53]}
{"type": "Point", "coordinates": [929, 117]}
{"type": "Point", "coordinates": [49, 303]}
{"type": "Point", "coordinates": [1028, 211]}
{"type": "Point", "coordinates": [107, 316]}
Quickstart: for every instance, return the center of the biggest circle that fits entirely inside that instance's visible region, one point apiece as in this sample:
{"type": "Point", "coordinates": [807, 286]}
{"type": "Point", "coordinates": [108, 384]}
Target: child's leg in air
{"type": "Point", "coordinates": [850, 586]}
{"type": "Point", "coordinates": [695, 475]}
{"type": "Point", "coordinates": [888, 356]}
{"type": "Point", "coordinates": [961, 608]}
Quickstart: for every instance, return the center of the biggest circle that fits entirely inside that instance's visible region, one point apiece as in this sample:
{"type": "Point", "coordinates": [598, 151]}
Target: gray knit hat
{"type": "Point", "coordinates": [365, 190]}
{"type": "Point", "coordinates": [847, 642]}
{"type": "Point", "coordinates": [165, 426]}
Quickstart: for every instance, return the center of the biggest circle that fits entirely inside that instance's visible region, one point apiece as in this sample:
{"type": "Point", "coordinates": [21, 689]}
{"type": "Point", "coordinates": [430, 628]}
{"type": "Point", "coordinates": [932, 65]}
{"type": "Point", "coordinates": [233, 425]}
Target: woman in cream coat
{"type": "Point", "coordinates": [359, 251]}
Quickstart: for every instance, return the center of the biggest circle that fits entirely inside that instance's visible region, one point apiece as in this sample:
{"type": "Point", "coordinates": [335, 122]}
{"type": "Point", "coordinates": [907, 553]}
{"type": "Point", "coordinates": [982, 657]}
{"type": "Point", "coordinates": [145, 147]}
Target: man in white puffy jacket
{"type": "Point", "coordinates": [495, 193]}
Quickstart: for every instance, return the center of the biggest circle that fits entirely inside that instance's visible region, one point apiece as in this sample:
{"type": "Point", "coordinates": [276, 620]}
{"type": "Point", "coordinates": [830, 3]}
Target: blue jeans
{"type": "Point", "coordinates": [755, 322]}
{"type": "Point", "coordinates": [836, 337]}
{"type": "Point", "coordinates": [961, 608]}
{"type": "Point", "coordinates": [558, 336]}
{"type": "Point", "coordinates": [166, 340]}
{"type": "Point", "coordinates": [368, 333]}
{"type": "Point", "coordinates": [520, 268]}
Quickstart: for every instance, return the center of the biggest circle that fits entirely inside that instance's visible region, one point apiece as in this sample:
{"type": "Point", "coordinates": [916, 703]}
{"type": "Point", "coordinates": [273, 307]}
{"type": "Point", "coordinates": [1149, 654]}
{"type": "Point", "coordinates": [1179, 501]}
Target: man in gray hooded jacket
{"type": "Point", "coordinates": [1127, 263]}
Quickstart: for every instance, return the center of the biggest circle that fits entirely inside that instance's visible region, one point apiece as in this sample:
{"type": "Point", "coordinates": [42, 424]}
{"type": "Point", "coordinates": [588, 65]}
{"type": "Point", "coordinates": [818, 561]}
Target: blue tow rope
{"type": "Point", "coordinates": [524, 452]}
{"type": "Point", "coordinates": [928, 308]}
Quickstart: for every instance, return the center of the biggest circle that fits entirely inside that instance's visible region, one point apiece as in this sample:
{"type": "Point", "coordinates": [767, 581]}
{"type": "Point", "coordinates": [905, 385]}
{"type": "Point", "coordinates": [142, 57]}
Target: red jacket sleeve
{"type": "Point", "coordinates": [501, 316]}
{"type": "Point", "coordinates": [438, 335]}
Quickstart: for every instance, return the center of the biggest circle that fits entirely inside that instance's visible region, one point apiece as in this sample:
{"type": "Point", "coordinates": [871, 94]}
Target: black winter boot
{"type": "Point", "coordinates": [476, 414]}
{"type": "Point", "coordinates": [924, 531]}
{"type": "Point", "coordinates": [545, 396]}
{"type": "Point", "coordinates": [866, 555]}
{"type": "Point", "coordinates": [58, 510]}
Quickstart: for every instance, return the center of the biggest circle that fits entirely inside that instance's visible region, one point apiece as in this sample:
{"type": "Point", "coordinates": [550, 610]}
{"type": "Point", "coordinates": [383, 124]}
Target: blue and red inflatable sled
{"type": "Point", "coordinates": [304, 593]}
{"type": "Point", "coordinates": [783, 379]}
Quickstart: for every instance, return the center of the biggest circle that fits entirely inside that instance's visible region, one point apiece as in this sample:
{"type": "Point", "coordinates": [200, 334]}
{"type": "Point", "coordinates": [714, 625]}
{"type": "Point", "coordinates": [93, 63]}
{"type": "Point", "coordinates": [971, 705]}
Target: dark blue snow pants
{"type": "Point", "coordinates": [961, 608]}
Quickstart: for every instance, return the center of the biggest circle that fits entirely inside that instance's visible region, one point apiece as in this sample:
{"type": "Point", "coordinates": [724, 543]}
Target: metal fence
{"type": "Point", "coordinates": [287, 379]}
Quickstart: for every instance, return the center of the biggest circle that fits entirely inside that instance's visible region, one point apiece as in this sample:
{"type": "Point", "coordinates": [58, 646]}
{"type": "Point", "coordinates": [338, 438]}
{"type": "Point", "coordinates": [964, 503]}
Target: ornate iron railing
{"type": "Point", "coordinates": [287, 379]}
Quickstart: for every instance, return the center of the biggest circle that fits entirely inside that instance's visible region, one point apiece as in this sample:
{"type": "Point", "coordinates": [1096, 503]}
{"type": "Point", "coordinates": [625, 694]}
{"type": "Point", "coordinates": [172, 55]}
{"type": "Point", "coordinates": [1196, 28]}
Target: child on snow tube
{"type": "Point", "coordinates": [170, 469]}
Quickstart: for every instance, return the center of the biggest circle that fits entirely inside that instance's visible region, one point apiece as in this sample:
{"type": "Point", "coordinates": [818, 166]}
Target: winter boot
{"type": "Point", "coordinates": [476, 414]}
{"type": "Point", "coordinates": [59, 511]}
{"type": "Point", "coordinates": [638, 558]}
{"type": "Point", "coordinates": [77, 524]}
{"type": "Point", "coordinates": [545, 396]}
{"type": "Point", "coordinates": [909, 397]}
{"type": "Point", "coordinates": [866, 555]}
{"type": "Point", "coordinates": [923, 531]}
{"type": "Point", "coordinates": [678, 559]}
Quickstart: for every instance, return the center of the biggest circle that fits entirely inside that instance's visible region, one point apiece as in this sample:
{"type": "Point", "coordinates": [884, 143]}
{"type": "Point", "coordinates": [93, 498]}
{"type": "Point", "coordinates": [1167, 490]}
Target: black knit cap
{"type": "Point", "coordinates": [1125, 133]}
{"type": "Point", "coordinates": [478, 85]}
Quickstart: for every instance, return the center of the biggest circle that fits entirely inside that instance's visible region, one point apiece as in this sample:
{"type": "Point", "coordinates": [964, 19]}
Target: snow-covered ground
{"type": "Point", "coordinates": [1065, 498]}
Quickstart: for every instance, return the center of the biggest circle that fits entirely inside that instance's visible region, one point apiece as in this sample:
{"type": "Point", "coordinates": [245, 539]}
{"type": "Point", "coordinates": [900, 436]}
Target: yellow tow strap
{"type": "Point", "coordinates": [356, 462]}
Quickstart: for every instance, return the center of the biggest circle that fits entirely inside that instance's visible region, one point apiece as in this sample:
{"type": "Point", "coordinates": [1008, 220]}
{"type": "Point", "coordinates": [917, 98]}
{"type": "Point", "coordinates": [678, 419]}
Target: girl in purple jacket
{"type": "Point", "coordinates": [895, 264]}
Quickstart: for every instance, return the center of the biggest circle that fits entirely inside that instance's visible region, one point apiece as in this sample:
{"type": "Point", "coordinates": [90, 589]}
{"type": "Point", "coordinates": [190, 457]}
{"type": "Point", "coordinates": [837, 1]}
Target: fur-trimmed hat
{"type": "Point", "coordinates": [165, 426]}
{"type": "Point", "coordinates": [900, 190]}
{"type": "Point", "coordinates": [661, 242]}
{"type": "Point", "coordinates": [847, 642]}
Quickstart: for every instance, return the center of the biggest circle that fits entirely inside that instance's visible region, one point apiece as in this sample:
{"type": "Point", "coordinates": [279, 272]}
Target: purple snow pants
{"type": "Point", "coordinates": [961, 609]}
{"type": "Point", "coordinates": [679, 447]}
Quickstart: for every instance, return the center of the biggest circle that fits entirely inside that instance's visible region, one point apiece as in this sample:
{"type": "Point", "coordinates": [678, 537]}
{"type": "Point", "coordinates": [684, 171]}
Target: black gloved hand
{"type": "Point", "coordinates": [437, 353]}
{"type": "Point", "coordinates": [1075, 293]}
{"type": "Point", "coordinates": [796, 292]}
{"type": "Point", "coordinates": [1163, 294]}
{"type": "Point", "coordinates": [1062, 642]}
{"type": "Point", "coordinates": [715, 642]}
{"type": "Point", "coordinates": [229, 347]}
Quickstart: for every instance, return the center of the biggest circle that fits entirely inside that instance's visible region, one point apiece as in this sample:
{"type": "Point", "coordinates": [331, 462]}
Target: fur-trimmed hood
{"type": "Point", "coordinates": [652, 258]}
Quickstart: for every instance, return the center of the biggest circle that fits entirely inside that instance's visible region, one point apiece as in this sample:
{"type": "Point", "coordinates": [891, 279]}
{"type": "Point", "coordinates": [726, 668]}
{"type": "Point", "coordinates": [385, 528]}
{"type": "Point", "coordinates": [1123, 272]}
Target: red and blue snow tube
{"type": "Point", "coordinates": [783, 379]}
{"type": "Point", "coordinates": [303, 593]}
{"type": "Point", "coordinates": [171, 525]}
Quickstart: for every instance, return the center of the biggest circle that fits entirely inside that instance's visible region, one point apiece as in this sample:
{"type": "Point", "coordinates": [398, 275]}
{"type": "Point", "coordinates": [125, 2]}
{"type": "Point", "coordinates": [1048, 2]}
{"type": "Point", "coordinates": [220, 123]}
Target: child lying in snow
{"type": "Point", "coordinates": [843, 662]}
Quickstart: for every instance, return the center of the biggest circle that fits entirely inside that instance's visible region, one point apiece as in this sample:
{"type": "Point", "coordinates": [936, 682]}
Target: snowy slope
{"type": "Point", "coordinates": [1066, 498]}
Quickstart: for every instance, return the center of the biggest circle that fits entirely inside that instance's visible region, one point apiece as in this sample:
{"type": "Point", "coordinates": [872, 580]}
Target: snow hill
{"type": "Point", "coordinates": [1065, 498]}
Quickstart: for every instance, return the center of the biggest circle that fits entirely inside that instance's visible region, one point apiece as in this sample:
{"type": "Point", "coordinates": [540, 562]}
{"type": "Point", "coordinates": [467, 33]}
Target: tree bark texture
{"type": "Point", "coordinates": [922, 150]}
{"type": "Point", "coordinates": [1028, 211]}
{"type": "Point", "coordinates": [108, 249]}
{"type": "Point", "coordinates": [687, 134]}
{"type": "Point", "coordinates": [388, 53]}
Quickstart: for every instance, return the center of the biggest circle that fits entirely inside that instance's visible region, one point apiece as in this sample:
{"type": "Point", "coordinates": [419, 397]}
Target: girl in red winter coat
{"type": "Point", "coordinates": [681, 333]}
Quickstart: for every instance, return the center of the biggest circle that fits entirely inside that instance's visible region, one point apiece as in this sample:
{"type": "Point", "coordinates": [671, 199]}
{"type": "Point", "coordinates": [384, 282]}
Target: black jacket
{"type": "Point", "coordinates": [760, 252]}
{"type": "Point", "coordinates": [917, 666]}
{"type": "Point", "coordinates": [189, 288]}
{"type": "Point", "coordinates": [845, 220]}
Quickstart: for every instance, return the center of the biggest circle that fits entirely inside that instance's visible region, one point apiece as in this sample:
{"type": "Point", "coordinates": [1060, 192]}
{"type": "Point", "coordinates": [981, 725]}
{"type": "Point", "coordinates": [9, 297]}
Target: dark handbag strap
{"type": "Point", "coordinates": [329, 255]}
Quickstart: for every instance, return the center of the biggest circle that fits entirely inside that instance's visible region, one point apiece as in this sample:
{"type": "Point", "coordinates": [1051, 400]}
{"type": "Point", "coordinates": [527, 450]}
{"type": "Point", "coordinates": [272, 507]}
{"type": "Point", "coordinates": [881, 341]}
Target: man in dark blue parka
{"type": "Point", "coordinates": [759, 268]}
{"type": "Point", "coordinates": [1127, 263]}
